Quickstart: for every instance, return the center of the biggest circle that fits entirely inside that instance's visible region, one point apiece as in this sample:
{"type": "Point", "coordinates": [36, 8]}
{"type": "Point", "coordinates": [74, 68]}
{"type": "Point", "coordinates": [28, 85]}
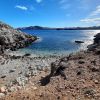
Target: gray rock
{"type": "Point", "coordinates": [2, 95]}
{"type": "Point", "coordinates": [22, 80]}
{"type": "Point", "coordinates": [64, 64]}
{"type": "Point", "coordinates": [13, 39]}
{"type": "Point", "coordinates": [12, 89]}
{"type": "Point", "coordinates": [97, 39]}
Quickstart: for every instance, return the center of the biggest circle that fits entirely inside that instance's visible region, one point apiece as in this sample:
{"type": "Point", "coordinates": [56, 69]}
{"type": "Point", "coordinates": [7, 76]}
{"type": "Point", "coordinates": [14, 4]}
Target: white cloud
{"type": "Point", "coordinates": [21, 7]}
{"type": "Point", "coordinates": [91, 20]}
{"type": "Point", "coordinates": [96, 12]}
{"type": "Point", "coordinates": [93, 17]}
{"type": "Point", "coordinates": [38, 1]}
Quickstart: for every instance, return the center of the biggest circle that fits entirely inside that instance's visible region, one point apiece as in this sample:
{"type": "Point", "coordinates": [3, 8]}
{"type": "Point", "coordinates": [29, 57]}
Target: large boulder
{"type": "Point", "coordinates": [96, 43]}
{"type": "Point", "coordinates": [97, 39]}
{"type": "Point", "coordinates": [13, 39]}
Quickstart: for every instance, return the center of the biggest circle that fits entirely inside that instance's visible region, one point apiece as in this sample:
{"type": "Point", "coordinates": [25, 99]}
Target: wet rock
{"type": "Point", "coordinates": [97, 39]}
{"type": "Point", "coordinates": [92, 47]}
{"type": "Point", "coordinates": [96, 44]}
{"type": "Point", "coordinates": [27, 54]}
{"type": "Point", "coordinates": [79, 42]}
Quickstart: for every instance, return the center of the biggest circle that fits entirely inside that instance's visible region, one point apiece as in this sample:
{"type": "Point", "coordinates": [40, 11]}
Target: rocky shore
{"type": "Point", "coordinates": [11, 39]}
{"type": "Point", "coordinates": [17, 68]}
{"type": "Point", "coordinates": [27, 77]}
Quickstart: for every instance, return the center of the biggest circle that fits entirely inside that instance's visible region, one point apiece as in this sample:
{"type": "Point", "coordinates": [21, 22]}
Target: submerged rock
{"type": "Point", "coordinates": [79, 42]}
{"type": "Point", "coordinates": [96, 44]}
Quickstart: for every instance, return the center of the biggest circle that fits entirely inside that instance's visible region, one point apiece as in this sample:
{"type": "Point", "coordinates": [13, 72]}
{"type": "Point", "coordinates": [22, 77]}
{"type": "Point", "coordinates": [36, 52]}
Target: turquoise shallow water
{"type": "Point", "coordinates": [59, 42]}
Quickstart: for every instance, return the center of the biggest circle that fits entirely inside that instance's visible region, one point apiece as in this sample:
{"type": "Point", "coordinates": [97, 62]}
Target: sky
{"type": "Point", "coordinates": [50, 13]}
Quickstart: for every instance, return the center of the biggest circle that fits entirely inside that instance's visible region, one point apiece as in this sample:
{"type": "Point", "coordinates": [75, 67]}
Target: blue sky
{"type": "Point", "coordinates": [52, 13]}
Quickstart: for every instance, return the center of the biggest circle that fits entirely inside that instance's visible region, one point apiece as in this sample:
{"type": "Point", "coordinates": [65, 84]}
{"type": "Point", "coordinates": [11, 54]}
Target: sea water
{"type": "Point", "coordinates": [59, 42]}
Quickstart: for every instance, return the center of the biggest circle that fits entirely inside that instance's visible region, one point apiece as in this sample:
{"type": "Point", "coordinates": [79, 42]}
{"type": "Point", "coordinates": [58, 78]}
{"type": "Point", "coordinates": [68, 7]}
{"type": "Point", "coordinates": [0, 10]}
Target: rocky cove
{"type": "Point", "coordinates": [28, 77]}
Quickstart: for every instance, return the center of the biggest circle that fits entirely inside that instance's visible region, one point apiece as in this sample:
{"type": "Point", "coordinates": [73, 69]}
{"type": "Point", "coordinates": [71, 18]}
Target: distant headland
{"type": "Point", "coordinates": [65, 28]}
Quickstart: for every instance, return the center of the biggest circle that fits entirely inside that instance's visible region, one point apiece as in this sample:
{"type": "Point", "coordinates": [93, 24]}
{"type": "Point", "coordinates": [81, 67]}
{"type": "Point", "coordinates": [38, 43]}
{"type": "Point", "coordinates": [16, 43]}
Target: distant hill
{"type": "Point", "coordinates": [66, 28]}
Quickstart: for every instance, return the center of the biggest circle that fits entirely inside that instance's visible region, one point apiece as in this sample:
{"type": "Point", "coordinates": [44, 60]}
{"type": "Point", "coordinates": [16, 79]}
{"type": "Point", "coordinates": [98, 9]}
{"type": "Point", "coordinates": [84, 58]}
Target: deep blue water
{"type": "Point", "coordinates": [59, 41]}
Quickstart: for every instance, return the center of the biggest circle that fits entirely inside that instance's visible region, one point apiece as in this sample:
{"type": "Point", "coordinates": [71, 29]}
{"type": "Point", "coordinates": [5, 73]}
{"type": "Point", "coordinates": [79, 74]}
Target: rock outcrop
{"type": "Point", "coordinates": [96, 43]}
{"type": "Point", "coordinates": [13, 39]}
{"type": "Point", "coordinates": [97, 39]}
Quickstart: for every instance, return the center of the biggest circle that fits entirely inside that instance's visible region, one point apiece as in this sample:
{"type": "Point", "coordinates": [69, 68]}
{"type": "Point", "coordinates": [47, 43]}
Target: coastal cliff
{"type": "Point", "coordinates": [13, 39]}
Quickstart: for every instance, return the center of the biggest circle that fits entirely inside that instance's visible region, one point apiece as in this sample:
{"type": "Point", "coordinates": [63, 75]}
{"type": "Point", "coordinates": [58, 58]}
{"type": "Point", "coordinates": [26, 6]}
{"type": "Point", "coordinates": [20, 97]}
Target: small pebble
{"type": "Point", "coordinates": [35, 88]}
{"type": "Point", "coordinates": [3, 89]}
{"type": "Point", "coordinates": [96, 81]}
